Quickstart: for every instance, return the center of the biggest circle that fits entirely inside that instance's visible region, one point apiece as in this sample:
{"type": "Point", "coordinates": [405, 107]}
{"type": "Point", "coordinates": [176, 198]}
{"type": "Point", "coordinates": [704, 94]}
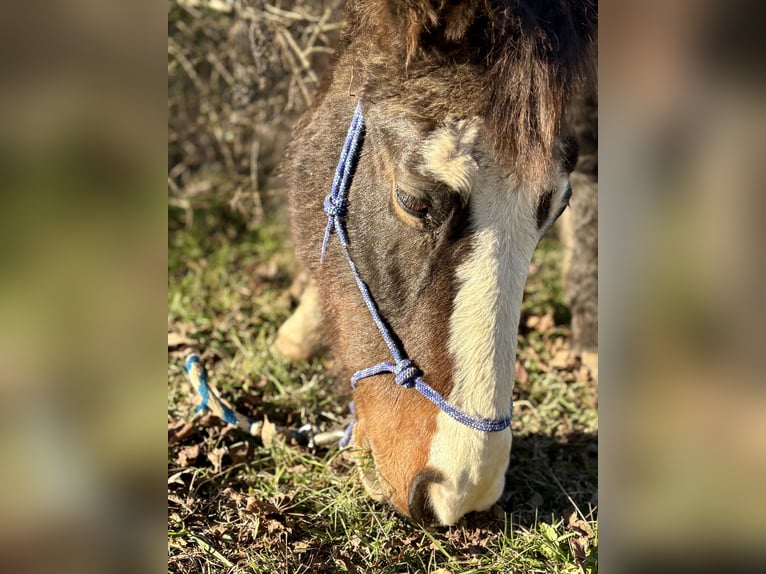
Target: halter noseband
{"type": "Point", "coordinates": [405, 371]}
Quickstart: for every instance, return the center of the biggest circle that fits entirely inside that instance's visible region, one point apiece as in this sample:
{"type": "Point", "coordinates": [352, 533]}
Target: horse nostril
{"type": "Point", "coordinates": [418, 503]}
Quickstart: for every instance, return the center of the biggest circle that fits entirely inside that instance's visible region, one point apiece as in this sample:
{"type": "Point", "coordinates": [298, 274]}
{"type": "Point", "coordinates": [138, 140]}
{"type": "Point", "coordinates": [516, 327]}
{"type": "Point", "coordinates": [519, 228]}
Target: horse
{"type": "Point", "coordinates": [420, 181]}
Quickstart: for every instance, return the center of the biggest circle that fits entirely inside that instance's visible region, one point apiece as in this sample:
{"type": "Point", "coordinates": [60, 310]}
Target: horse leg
{"type": "Point", "coordinates": [300, 338]}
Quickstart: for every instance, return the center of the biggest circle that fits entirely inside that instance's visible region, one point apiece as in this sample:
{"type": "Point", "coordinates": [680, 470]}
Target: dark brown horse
{"type": "Point", "coordinates": [463, 167]}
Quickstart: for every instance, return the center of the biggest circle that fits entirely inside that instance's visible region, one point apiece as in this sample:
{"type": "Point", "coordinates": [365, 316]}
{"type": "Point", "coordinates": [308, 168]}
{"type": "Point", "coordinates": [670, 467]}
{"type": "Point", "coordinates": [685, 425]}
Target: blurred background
{"type": "Point", "coordinates": [683, 401]}
{"type": "Point", "coordinates": [84, 287]}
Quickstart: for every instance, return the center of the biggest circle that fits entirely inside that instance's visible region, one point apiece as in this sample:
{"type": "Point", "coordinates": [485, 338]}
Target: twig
{"type": "Point", "coordinates": [291, 15]}
{"type": "Point", "coordinates": [315, 31]}
{"type": "Point", "coordinates": [254, 150]}
{"type": "Point", "coordinates": [561, 486]}
{"type": "Point", "coordinates": [184, 204]}
{"type": "Point", "coordinates": [175, 51]}
{"type": "Point", "coordinates": [218, 65]}
{"type": "Point", "coordinates": [299, 53]}
{"type": "Point", "coordinates": [320, 50]}
{"type": "Point", "coordinates": [296, 75]}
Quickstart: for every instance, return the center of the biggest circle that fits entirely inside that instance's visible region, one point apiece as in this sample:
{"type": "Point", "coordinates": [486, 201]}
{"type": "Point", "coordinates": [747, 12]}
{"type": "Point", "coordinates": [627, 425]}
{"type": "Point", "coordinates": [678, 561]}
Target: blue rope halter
{"type": "Point", "coordinates": [406, 373]}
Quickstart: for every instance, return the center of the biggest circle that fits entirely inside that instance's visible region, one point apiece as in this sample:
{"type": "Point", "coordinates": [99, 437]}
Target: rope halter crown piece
{"type": "Point", "coordinates": [406, 373]}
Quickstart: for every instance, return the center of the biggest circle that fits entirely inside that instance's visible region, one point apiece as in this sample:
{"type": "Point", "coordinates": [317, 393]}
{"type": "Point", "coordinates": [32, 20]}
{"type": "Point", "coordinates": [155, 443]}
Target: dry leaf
{"type": "Point", "coordinates": [579, 546]}
{"type": "Point", "coordinates": [174, 425]}
{"type": "Point", "coordinates": [522, 377]}
{"type": "Point", "coordinates": [176, 478]}
{"type": "Point", "coordinates": [179, 430]}
{"type": "Point", "coordinates": [176, 339]}
{"type": "Point", "coordinates": [273, 526]}
{"type": "Point", "coordinates": [240, 452]}
{"type": "Point", "coordinates": [232, 494]}
{"type": "Point", "coordinates": [187, 455]}
{"type": "Point", "coordinates": [268, 432]}
{"type": "Point", "coordinates": [546, 322]}
{"type": "Point", "coordinates": [575, 523]}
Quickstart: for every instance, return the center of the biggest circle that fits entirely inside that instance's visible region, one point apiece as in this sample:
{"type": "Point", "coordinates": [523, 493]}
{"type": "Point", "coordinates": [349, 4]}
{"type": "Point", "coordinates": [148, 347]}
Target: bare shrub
{"type": "Point", "coordinates": [239, 72]}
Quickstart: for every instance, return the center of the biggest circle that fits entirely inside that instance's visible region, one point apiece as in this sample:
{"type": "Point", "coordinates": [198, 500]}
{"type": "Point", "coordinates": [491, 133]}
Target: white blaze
{"type": "Point", "coordinates": [482, 342]}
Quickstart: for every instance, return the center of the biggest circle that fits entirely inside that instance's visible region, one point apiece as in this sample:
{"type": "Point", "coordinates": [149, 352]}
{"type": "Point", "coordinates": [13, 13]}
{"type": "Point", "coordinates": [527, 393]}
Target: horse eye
{"type": "Point", "coordinates": [412, 205]}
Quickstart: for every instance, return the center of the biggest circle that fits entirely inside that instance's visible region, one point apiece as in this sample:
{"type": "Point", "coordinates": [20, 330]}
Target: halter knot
{"type": "Point", "coordinates": [406, 373]}
{"type": "Point", "coordinates": [335, 206]}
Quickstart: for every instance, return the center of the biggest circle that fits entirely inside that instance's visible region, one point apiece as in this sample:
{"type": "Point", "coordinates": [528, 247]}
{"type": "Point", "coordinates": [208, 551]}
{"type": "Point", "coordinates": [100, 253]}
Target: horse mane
{"type": "Point", "coordinates": [527, 58]}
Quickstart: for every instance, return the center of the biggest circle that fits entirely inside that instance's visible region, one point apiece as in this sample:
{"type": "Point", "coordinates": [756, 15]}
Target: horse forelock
{"type": "Point", "coordinates": [515, 64]}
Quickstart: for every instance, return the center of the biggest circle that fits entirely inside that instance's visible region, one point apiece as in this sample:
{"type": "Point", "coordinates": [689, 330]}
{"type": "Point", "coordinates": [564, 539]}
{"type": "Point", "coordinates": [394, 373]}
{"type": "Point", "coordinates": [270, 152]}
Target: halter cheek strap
{"type": "Point", "coordinates": [405, 372]}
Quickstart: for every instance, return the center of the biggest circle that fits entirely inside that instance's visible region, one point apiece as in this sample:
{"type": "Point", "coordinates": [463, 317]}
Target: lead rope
{"type": "Point", "coordinates": [211, 400]}
{"type": "Point", "coordinates": [406, 373]}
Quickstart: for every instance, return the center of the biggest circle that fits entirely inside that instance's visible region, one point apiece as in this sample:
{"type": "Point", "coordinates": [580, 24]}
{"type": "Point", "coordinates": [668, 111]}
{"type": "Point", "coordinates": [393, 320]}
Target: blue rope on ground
{"type": "Point", "coordinates": [209, 399]}
{"type": "Point", "coordinates": [404, 370]}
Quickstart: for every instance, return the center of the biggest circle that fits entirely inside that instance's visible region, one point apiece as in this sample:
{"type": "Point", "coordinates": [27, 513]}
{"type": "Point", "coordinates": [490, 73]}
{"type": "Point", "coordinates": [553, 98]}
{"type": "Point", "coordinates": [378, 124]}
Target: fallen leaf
{"type": "Point", "coordinates": [179, 430]}
{"type": "Point", "coordinates": [233, 495]}
{"type": "Point", "coordinates": [175, 424]}
{"type": "Point", "coordinates": [268, 432]}
{"type": "Point", "coordinates": [176, 339]}
{"type": "Point", "coordinates": [187, 455]}
{"type": "Point", "coordinates": [273, 526]}
{"type": "Point", "coordinates": [560, 360]}
{"type": "Point", "coordinates": [521, 374]}
{"type": "Point", "coordinates": [575, 523]}
{"type": "Point", "coordinates": [176, 478]}
{"type": "Point", "coordinates": [579, 546]}
{"type": "Point", "coordinates": [261, 507]}
{"type": "Point", "coordinates": [240, 452]}
{"type": "Point", "coordinates": [546, 323]}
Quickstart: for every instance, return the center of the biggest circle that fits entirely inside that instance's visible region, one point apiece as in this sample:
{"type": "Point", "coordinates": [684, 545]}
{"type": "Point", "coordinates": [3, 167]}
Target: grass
{"type": "Point", "coordinates": [238, 505]}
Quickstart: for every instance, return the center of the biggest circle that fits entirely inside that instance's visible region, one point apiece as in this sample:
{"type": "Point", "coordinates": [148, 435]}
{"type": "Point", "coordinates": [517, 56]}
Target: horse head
{"type": "Point", "coordinates": [460, 167]}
